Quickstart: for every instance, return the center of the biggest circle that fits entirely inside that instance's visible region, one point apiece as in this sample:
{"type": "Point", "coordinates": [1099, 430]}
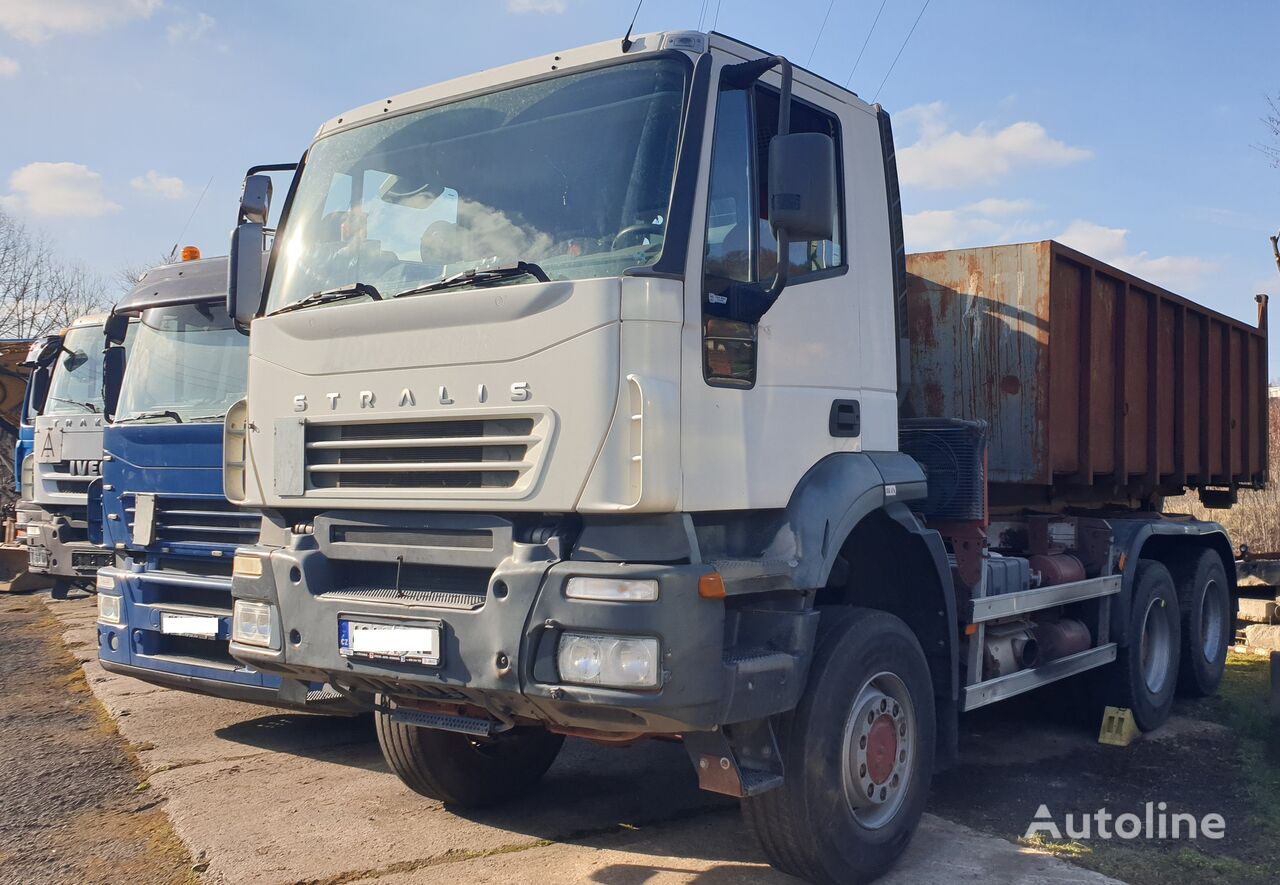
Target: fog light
{"type": "Point", "coordinates": [245, 566]}
{"type": "Point", "coordinates": [616, 661]}
{"type": "Point", "coordinates": [109, 607]}
{"type": "Point", "coordinates": [611, 590]}
{"type": "Point", "coordinates": [253, 623]}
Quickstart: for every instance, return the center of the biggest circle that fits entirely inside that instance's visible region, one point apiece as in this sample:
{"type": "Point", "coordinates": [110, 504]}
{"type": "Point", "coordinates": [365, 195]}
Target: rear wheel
{"type": "Point", "coordinates": [462, 770]}
{"type": "Point", "coordinates": [1207, 623]}
{"type": "Point", "coordinates": [857, 754]}
{"type": "Point", "coordinates": [1145, 672]}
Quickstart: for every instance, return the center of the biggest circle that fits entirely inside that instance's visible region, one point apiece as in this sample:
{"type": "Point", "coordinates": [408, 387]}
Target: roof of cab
{"type": "Point", "coordinates": [185, 282]}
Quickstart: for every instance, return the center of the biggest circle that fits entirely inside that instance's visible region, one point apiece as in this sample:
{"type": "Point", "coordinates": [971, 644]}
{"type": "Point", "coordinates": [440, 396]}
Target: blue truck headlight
{"type": "Point", "coordinates": [110, 607]}
{"type": "Point", "coordinates": [613, 661]}
{"type": "Point", "coordinates": [255, 623]}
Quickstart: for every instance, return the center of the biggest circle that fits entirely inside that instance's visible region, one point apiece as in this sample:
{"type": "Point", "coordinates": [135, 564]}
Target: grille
{"type": "Point", "coordinates": [953, 455]}
{"type": "Point", "coordinates": [441, 586]}
{"type": "Point", "coordinates": [192, 520]}
{"type": "Point", "coordinates": [489, 453]}
{"type": "Point", "coordinates": [72, 477]}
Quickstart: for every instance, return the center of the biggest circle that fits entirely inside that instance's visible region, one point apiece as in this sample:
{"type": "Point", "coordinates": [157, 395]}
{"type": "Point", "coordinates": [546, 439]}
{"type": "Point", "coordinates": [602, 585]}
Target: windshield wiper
{"type": "Point", "coordinates": [340, 293]}
{"type": "Point", "coordinates": [479, 276]}
{"type": "Point", "coordinates": [75, 402]}
{"type": "Point", "coordinates": [159, 413]}
{"type": "Point", "coordinates": [197, 418]}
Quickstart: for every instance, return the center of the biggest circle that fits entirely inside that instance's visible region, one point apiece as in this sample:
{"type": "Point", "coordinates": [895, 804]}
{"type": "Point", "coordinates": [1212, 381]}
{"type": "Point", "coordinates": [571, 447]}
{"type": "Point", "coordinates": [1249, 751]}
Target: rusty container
{"type": "Point", "coordinates": [1098, 388]}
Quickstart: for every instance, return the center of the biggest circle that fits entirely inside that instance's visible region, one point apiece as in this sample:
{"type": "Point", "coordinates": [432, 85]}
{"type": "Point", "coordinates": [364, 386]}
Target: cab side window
{"type": "Point", "coordinates": [740, 246]}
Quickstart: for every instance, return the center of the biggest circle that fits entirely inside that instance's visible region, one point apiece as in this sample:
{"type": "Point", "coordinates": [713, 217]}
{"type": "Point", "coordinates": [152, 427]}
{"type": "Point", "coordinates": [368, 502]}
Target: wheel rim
{"type": "Point", "coordinates": [879, 748]}
{"type": "Point", "coordinates": [1157, 640]}
{"type": "Point", "coordinates": [1213, 614]}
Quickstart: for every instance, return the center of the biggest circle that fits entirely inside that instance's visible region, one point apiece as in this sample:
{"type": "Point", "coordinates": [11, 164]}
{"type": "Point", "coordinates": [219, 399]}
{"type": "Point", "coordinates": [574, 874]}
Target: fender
{"type": "Point", "coordinates": [831, 498]}
{"type": "Point", "coordinates": [1130, 536]}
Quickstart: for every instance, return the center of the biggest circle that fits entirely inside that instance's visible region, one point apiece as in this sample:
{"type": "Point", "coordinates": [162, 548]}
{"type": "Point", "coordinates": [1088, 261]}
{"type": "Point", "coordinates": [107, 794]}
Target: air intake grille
{"type": "Point", "coordinates": [199, 520]}
{"type": "Point", "coordinates": [487, 453]}
{"type": "Point", "coordinates": [953, 454]}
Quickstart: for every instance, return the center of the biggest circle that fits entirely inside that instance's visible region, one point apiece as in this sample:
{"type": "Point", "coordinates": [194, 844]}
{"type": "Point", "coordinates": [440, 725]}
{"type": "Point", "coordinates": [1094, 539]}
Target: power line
{"type": "Point", "coordinates": [900, 48]}
{"type": "Point", "coordinates": [716, 20]}
{"type": "Point", "coordinates": [702, 15]}
{"type": "Point", "coordinates": [820, 30]}
{"type": "Point", "coordinates": [858, 60]}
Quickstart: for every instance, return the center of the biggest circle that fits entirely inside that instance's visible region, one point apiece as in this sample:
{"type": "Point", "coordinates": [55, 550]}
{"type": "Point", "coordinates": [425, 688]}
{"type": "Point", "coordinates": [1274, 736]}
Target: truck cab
{"type": "Point", "coordinates": [38, 362]}
{"type": "Point", "coordinates": [579, 405]}
{"type": "Point", "coordinates": [164, 608]}
{"type": "Point", "coordinates": [66, 456]}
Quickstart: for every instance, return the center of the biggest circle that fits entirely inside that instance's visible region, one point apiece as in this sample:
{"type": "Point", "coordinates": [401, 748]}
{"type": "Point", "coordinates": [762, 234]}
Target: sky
{"type": "Point", "coordinates": [1127, 130]}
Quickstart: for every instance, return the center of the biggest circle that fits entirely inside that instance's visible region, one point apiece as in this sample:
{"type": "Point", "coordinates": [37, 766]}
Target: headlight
{"type": "Point", "coordinates": [105, 582]}
{"type": "Point", "coordinates": [611, 590]}
{"type": "Point", "coordinates": [247, 566]}
{"type": "Point", "coordinates": [254, 623]}
{"type": "Point", "coordinates": [29, 478]}
{"type": "Point", "coordinates": [109, 607]}
{"type": "Point", "coordinates": [615, 661]}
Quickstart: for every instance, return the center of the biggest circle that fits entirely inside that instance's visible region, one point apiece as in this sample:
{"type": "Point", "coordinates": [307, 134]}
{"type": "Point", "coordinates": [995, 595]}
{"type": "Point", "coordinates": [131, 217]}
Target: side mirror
{"type": "Point", "coordinates": [43, 351]}
{"type": "Point", "coordinates": [802, 185]}
{"type": "Point", "coordinates": [39, 389]}
{"type": "Point", "coordinates": [244, 272]}
{"type": "Point", "coordinates": [116, 328]}
{"type": "Point", "coordinates": [112, 378]}
{"type": "Point", "coordinates": [255, 199]}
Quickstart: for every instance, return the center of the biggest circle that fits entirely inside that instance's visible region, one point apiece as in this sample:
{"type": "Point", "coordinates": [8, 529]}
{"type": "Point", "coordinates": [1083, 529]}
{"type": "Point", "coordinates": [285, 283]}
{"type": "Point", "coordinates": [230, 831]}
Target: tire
{"type": "Point", "coordinates": [819, 825]}
{"type": "Point", "coordinates": [1208, 620]}
{"type": "Point", "coordinates": [1145, 673]}
{"type": "Point", "coordinates": [462, 770]}
{"type": "Point", "coordinates": [60, 589]}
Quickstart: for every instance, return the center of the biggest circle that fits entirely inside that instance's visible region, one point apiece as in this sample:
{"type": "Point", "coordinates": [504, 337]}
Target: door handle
{"type": "Point", "coordinates": [846, 418]}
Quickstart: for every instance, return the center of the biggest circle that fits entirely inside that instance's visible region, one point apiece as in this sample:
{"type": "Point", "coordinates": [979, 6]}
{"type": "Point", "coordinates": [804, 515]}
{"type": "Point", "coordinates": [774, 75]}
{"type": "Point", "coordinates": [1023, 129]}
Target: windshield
{"type": "Point", "coordinates": [572, 173]}
{"type": "Point", "coordinates": [188, 361]}
{"type": "Point", "coordinates": [76, 385]}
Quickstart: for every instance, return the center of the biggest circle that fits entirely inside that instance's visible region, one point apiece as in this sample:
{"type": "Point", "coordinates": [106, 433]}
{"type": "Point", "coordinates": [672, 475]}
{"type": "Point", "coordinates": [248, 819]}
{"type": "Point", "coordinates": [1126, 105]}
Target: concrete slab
{"type": "Point", "coordinates": [261, 796]}
{"type": "Point", "coordinates": [1262, 636]}
{"type": "Point", "coordinates": [1257, 611]}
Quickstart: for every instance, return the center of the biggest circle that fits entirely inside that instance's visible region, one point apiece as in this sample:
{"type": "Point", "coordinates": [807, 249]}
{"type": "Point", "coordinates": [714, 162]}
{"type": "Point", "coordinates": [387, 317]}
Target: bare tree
{"type": "Point", "coordinates": [1272, 121]}
{"type": "Point", "coordinates": [39, 292]}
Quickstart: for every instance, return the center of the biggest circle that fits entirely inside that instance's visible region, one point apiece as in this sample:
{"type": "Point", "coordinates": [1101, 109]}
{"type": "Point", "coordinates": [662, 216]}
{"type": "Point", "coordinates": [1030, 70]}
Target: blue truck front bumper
{"type": "Point", "coordinates": [173, 631]}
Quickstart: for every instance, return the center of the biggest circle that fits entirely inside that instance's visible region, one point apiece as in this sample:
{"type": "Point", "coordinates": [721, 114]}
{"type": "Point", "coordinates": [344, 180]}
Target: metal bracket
{"type": "Point", "coordinates": [736, 760]}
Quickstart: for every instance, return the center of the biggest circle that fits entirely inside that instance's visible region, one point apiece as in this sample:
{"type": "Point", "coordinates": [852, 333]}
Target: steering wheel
{"type": "Point", "coordinates": [633, 230]}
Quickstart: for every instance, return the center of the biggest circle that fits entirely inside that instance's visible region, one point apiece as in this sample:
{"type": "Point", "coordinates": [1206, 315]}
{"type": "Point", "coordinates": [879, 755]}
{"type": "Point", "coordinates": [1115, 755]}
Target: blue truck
{"type": "Point", "coordinates": [164, 609]}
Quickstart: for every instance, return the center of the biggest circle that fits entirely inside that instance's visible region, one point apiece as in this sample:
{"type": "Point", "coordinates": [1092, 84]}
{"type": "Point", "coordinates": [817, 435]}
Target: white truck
{"type": "Point", "coordinates": [65, 458]}
{"type": "Point", "coordinates": [548, 441]}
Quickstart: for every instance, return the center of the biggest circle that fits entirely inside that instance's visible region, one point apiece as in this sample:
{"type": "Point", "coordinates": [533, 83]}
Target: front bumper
{"type": "Point", "coordinates": [140, 647]}
{"type": "Point", "coordinates": [57, 545]}
{"type": "Point", "coordinates": [501, 617]}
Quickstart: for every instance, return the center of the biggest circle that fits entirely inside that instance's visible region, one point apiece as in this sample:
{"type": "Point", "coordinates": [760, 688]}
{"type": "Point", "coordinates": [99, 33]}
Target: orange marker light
{"type": "Point", "coordinates": [711, 586]}
{"type": "Point", "coordinates": [190, 253]}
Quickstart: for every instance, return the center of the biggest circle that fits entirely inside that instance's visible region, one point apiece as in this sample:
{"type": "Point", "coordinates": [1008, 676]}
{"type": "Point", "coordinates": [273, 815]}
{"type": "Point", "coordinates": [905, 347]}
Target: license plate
{"type": "Point", "coordinates": [204, 626]}
{"type": "Point", "coordinates": [38, 557]}
{"type": "Point", "coordinates": [390, 642]}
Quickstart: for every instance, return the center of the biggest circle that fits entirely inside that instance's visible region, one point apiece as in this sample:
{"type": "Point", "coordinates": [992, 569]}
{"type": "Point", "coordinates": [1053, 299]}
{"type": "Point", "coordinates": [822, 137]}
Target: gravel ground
{"type": "Point", "coordinates": [76, 807]}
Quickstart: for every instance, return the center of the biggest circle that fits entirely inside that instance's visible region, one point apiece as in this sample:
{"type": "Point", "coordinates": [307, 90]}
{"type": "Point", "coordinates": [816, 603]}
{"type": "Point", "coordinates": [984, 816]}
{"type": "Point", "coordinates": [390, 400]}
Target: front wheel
{"type": "Point", "coordinates": [462, 770]}
{"type": "Point", "coordinates": [61, 588]}
{"type": "Point", "coordinates": [857, 754]}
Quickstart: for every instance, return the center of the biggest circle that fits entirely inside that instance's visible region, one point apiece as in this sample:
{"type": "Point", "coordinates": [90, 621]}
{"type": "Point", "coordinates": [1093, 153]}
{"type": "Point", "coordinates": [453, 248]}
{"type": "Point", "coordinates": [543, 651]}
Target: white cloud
{"type": "Point", "coordinates": [57, 190]}
{"type": "Point", "coordinates": [170, 187]}
{"type": "Point", "coordinates": [985, 222]}
{"type": "Point", "coordinates": [1110, 244]}
{"type": "Point", "coordinates": [37, 20]}
{"type": "Point", "coordinates": [945, 157]}
{"type": "Point", "coordinates": [9, 67]}
{"type": "Point", "coordinates": [191, 29]}
{"type": "Point", "coordinates": [539, 6]}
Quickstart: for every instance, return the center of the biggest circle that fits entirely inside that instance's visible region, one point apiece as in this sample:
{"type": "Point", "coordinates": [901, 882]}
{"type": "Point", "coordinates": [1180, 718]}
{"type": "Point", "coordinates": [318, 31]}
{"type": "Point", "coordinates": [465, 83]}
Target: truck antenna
{"type": "Point", "coordinates": [182, 233]}
{"type": "Point", "coordinates": [626, 41]}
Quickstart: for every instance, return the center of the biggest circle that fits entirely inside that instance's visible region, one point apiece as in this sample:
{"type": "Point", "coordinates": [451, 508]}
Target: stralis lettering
{"type": "Point", "coordinates": [518, 391]}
